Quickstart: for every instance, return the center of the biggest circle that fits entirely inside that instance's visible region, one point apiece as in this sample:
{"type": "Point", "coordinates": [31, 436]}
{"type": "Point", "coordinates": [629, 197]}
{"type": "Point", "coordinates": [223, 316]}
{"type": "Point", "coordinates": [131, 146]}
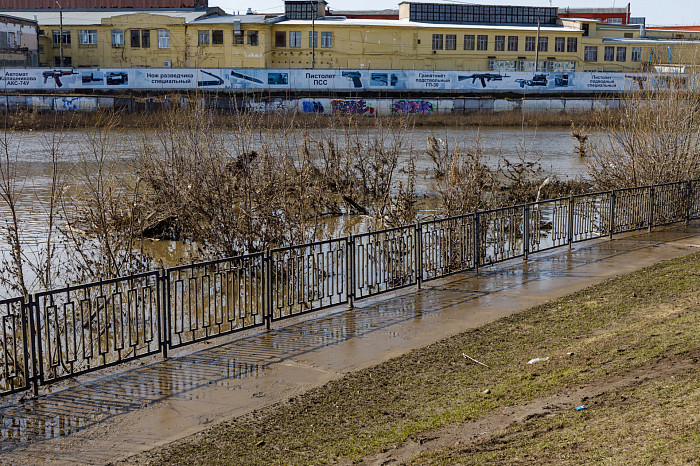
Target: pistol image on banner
{"type": "Point", "coordinates": [483, 77]}
{"type": "Point", "coordinates": [354, 76]}
{"type": "Point", "coordinates": [56, 75]}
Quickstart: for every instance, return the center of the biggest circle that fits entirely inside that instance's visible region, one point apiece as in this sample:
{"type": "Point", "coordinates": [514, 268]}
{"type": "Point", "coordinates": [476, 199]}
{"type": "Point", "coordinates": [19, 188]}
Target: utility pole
{"type": "Point", "coordinates": [537, 46]}
{"type": "Point", "coordinates": [60, 37]}
{"type": "Point", "coordinates": [314, 12]}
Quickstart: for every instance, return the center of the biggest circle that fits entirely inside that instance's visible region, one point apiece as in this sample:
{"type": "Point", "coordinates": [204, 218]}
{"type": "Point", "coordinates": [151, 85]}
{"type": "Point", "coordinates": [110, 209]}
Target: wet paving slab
{"type": "Point", "coordinates": [98, 420]}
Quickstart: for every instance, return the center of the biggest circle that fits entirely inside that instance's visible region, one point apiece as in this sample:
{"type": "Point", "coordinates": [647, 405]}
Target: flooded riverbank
{"type": "Point", "coordinates": [30, 153]}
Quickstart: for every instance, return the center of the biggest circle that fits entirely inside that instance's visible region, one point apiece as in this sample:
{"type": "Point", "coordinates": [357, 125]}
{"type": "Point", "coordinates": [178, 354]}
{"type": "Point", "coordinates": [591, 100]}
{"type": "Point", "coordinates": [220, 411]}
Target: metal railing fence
{"type": "Point", "coordinates": [53, 335]}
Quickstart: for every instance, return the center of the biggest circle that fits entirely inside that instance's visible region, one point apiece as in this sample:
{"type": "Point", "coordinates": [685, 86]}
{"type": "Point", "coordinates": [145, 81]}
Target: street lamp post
{"type": "Point", "coordinates": [314, 11]}
{"type": "Point", "coordinates": [60, 37]}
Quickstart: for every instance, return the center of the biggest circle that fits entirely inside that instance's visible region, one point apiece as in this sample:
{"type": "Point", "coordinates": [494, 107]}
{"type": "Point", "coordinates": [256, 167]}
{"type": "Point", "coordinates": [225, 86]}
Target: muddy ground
{"type": "Point", "coordinates": [626, 349]}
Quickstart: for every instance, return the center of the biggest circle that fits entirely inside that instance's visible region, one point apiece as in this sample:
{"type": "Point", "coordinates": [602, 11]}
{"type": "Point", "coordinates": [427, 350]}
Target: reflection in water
{"type": "Point", "coordinates": [73, 409]}
{"type": "Point", "coordinates": [34, 170]}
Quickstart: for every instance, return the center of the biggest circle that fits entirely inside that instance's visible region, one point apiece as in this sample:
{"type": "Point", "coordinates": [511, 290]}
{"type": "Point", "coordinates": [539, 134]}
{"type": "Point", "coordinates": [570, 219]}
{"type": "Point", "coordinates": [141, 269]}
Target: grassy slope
{"type": "Point", "coordinates": [623, 323]}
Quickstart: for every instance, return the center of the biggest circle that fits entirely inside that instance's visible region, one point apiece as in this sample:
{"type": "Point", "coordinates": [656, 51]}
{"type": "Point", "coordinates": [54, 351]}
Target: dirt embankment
{"type": "Point", "coordinates": [625, 352]}
{"type": "Point", "coordinates": [25, 120]}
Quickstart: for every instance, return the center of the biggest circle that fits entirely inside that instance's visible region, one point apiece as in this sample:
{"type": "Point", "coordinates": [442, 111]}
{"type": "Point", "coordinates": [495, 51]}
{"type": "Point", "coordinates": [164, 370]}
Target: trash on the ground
{"type": "Point", "coordinates": [581, 408]}
{"type": "Point", "coordinates": [473, 360]}
{"type": "Point", "coordinates": [536, 360]}
{"type": "Point", "coordinates": [487, 391]}
{"type": "Point", "coordinates": [569, 354]}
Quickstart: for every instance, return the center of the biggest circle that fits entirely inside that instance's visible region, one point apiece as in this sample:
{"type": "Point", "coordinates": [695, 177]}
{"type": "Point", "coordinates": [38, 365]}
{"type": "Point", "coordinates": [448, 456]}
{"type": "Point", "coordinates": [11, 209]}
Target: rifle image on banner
{"type": "Point", "coordinates": [353, 76]}
{"type": "Point", "coordinates": [483, 77]}
{"type": "Point", "coordinates": [238, 75]}
{"type": "Point", "coordinates": [56, 75]}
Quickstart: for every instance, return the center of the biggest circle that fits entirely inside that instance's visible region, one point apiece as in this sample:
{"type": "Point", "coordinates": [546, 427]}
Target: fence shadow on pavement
{"type": "Point", "coordinates": [72, 409]}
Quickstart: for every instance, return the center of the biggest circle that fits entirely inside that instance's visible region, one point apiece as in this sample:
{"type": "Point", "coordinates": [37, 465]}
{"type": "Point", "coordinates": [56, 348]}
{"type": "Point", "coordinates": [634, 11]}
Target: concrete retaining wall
{"type": "Point", "coordinates": [327, 106]}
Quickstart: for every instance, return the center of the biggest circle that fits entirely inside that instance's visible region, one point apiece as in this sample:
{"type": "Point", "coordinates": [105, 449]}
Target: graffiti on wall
{"type": "Point", "coordinates": [420, 107]}
{"type": "Point", "coordinates": [354, 107]}
{"type": "Point", "coordinates": [265, 106]}
{"type": "Point", "coordinates": [312, 107]}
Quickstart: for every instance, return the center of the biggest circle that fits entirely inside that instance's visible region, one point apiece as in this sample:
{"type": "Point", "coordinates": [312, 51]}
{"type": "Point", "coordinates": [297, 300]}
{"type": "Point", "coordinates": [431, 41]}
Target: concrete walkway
{"type": "Point", "coordinates": [113, 415]}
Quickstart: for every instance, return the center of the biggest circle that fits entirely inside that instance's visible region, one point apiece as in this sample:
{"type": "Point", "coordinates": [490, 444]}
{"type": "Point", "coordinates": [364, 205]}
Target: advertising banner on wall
{"type": "Point", "coordinates": [256, 79]}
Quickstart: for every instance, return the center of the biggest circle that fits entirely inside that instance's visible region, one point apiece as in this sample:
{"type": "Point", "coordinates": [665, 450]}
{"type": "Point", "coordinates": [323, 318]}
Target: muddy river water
{"type": "Point", "coordinates": [31, 151]}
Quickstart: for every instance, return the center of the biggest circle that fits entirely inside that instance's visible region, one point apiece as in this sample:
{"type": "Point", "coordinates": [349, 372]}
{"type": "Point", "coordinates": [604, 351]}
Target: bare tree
{"type": "Point", "coordinates": [654, 138]}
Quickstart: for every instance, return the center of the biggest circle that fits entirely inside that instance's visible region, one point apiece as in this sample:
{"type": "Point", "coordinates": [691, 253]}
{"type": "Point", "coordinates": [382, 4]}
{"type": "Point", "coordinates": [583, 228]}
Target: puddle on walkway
{"type": "Point", "coordinates": [70, 410]}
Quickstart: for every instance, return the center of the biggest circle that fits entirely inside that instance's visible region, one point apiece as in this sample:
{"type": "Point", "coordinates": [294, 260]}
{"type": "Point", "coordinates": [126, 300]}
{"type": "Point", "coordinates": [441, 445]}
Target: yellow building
{"type": "Point", "coordinates": [427, 36]}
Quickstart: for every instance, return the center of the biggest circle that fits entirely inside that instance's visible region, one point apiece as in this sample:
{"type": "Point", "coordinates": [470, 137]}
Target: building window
{"type": "Point", "coordinates": [117, 38]}
{"type": "Point", "coordinates": [437, 41]}
{"type": "Point", "coordinates": [57, 35]}
{"type": "Point", "coordinates": [559, 43]}
{"type": "Point", "coordinates": [295, 39]}
{"type": "Point", "coordinates": [253, 38]}
{"type": "Point", "coordinates": [163, 39]}
{"type": "Point", "coordinates": [87, 37]}
{"type": "Point", "coordinates": [512, 43]}
{"type": "Point", "coordinates": [543, 45]}
{"type": "Point", "coordinates": [238, 38]}
{"type": "Point", "coordinates": [135, 38]}
{"type": "Point", "coordinates": [450, 42]}
{"type": "Point", "coordinates": [67, 61]}
{"type": "Point", "coordinates": [572, 45]}
{"type": "Point", "coordinates": [499, 43]}
{"type": "Point", "coordinates": [313, 39]}
{"type": "Point", "coordinates": [280, 39]}
{"type": "Point", "coordinates": [480, 14]}
{"type": "Point", "coordinates": [482, 42]}
{"type": "Point", "coordinates": [217, 37]}
{"type": "Point", "coordinates": [530, 44]}
{"type": "Point", "coordinates": [609, 54]}
{"type": "Point", "coordinates": [622, 54]}
{"type": "Point", "coordinates": [326, 40]}
{"type": "Point", "coordinates": [146, 38]}
{"type": "Point", "coordinates": [203, 38]}
{"type": "Point", "coordinates": [590, 53]}
{"type": "Point", "coordinates": [469, 42]}
{"type": "Point", "coordinates": [301, 10]}
{"type": "Point", "coordinates": [636, 54]}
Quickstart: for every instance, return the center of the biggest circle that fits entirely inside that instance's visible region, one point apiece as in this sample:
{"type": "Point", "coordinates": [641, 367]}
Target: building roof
{"type": "Point", "coordinates": [415, 24]}
{"type": "Point", "coordinates": [652, 41]}
{"type": "Point", "coordinates": [244, 19]}
{"type": "Point", "coordinates": [95, 16]}
{"type": "Point", "coordinates": [17, 18]}
{"type": "Point", "coordinates": [675, 28]}
{"type": "Point", "coordinates": [597, 11]}
{"type": "Point", "coordinates": [364, 12]}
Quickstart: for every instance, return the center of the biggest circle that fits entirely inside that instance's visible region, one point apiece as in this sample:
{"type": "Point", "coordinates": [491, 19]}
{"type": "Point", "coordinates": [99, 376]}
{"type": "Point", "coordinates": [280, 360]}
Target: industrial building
{"type": "Point", "coordinates": [19, 42]}
{"type": "Point", "coordinates": [426, 36]}
{"type": "Point", "coordinates": [98, 4]}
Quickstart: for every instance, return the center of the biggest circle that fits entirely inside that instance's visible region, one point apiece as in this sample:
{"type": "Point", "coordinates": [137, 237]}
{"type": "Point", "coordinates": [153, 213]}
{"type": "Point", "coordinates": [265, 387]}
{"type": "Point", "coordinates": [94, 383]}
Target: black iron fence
{"type": "Point", "coordinates": [57, 334]}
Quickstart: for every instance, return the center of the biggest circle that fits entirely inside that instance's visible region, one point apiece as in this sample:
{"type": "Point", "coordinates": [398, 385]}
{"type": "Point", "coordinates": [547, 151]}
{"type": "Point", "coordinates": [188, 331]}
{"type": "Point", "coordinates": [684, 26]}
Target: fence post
{"type": "Point", "coordinates": [651, 207]}
{"type": "Point", "coordinates": [164, 311]}
{"type": "Point", "coordinates": [267, 289]}
{"type": "Point", "coordinates": [418, 258]}
{"type": "Point", "coordinates": [477, 247]}
{"type": "Point", "coordinates": [36, 314]}
{"type": "Point", "coordinates": [526, 232]}
{"type": "Point", "coordinates": [350, 273]}
{"type": "Point", "coordinates": [612, 213]}
{"type": "Point", "coordinates": [570, 226]}
{"type": "Point", "coordinates": [688, 200]}
{"type": "Point", "coordinates": [28, 311]}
